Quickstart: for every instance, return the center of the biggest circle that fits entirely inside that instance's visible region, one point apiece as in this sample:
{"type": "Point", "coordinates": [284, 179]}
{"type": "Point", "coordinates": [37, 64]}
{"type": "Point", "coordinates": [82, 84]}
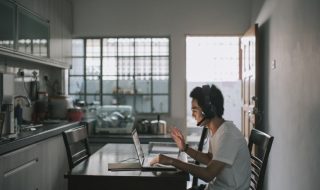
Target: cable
{"type": "Point", "coordinates": [128, 159]}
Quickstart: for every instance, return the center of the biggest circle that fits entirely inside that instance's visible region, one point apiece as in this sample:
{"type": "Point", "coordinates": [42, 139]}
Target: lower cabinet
{"type": "Point", "coordinates": [40, 166]}
{"type": "Point", "coordinates": [21, 169]}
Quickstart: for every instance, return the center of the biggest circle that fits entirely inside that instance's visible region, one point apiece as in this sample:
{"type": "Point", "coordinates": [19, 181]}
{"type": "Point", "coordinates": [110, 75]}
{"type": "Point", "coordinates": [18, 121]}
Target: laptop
{"type": "Point", "coordinates": [144, 161]}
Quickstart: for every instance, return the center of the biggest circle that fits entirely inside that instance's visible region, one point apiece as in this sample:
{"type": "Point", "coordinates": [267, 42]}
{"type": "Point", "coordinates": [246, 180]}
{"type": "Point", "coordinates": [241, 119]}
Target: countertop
{"type": "Point", "coordinates": [26, 138]}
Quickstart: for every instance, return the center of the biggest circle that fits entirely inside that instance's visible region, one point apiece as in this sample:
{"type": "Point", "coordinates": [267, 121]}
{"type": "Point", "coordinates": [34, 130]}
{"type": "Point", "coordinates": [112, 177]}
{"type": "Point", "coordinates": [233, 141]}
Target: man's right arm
{"type": "Point", "coordinates": [201, 157]}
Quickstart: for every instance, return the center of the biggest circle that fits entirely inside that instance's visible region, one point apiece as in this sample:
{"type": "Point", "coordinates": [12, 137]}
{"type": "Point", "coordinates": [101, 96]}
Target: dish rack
{"type": "Point", "coordinates": [112, 119]}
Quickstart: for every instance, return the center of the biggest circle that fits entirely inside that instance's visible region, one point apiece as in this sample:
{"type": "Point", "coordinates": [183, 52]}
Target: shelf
{"type": "Point", "coordinates": [27, 57]}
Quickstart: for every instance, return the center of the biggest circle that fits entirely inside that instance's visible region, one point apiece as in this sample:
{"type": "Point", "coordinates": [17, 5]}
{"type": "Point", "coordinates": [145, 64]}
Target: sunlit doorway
{"type": "Point", "coordinates": [213, 60]}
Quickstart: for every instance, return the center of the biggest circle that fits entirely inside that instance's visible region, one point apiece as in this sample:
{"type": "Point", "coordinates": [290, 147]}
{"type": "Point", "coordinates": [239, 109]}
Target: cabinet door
{"type": "Point", "coordinates": [19, 169]}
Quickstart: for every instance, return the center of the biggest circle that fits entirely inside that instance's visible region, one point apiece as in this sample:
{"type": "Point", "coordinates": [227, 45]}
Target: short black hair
{"type": "Point", "coordinates": [216, 98]}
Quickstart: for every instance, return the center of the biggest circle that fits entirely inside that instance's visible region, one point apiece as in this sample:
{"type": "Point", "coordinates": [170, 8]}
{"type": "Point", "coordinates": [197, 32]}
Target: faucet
{"type": "Point", "coordinates": [25, 98]}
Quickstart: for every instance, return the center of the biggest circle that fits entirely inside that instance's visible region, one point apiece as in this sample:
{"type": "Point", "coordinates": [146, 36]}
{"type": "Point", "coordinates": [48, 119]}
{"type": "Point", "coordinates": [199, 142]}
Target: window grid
{"type": "Point", "coordinates": [122, 56]}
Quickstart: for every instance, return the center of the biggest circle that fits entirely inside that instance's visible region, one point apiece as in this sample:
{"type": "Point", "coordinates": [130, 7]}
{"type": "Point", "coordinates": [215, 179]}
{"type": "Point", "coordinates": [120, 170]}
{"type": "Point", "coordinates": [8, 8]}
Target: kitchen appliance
{"type": "Point", "coordinates": [158, 127]}
{"type": "Point", "coordinates": [7, 101]}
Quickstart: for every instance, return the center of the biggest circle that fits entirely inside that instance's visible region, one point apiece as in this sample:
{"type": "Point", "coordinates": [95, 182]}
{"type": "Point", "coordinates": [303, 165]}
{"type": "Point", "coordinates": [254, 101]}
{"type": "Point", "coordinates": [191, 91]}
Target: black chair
{"type": "Point", "coordinates": [77, 146]}
{"type": "Point", "coordinates": [259, 146]}
{"type": "Point", "coordinates": [200, 148]}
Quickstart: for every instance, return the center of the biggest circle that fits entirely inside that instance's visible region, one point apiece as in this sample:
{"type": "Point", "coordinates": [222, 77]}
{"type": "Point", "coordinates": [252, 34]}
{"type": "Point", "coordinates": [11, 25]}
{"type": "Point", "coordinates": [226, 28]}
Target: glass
{"type": "Point", "coordinates": [109, 84]}
{"type": "Point", "coordinates": [93, 47]}
{"type": "Point", "coordinates": [160, 84]}
{"type": "Point", "coordinates": [109, 46]}
{"type": "Point", "coordinates": [109, 66]}
{"type": "Point", "coordinates": [160, 104]}
{"type": "Point", "coordinates": [160, 66]}
{"type": "Point", "coordinates": [93, 84]}
{"type": "Point", "coordinates": [78, 47]}
{"type": "Point", "coordinates": [30, 28]}
{"type": "Point", "coordinates": [93, 99]}
{"type": "Point", "coordinates": [143, 84]}
{"type": "Point", "coordinates": [7, 21]}
{"type": "Point", "coordinates": [160, 46]}
{"type": "Point", "coordinates": [143, 104]}
{"type": "Point", "coordinates": [142, 66]}
{"type": "Point", "coordinates": [142, 47]}
{"type": "Point", "coordinates": [93, 66]}
{"type": "Point", "coordinates": [125, 85]}
{"type": "Point", "coordinates": [76, 85]}
{"type": "Point", "coordinates": [77, 66]}
{"type": "Point", "coordinates": [125, 100]}
{"type": "Point", "coordinates": [126, 46]}
{"type": "Point", "coordinates": [126, 66]}
{"type": "Point", "coordinates": [109, 100]}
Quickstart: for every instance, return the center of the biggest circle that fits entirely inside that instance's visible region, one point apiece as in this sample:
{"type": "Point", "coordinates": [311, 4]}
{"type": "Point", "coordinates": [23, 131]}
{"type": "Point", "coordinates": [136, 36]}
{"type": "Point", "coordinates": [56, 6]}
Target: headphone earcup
{"type": "Point", "coordinates": [209, 110]}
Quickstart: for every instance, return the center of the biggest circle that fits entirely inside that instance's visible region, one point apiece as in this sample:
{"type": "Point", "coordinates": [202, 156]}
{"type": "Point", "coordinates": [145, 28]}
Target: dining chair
{"type": "Point", "coordinates": [200, 148]}
{"type": "Point", "coordinates": [77, 146]}
{"type": "Point", "coordinates": [259, 146]}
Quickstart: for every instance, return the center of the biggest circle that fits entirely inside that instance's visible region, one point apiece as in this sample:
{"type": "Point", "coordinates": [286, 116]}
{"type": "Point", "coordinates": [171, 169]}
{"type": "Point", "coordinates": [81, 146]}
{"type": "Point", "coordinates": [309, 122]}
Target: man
{"type": "Point", "coordinates": [228, 160]}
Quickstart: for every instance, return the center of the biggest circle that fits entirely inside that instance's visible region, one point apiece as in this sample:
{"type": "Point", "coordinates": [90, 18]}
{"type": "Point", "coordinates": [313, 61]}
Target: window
{"type": "Point", "coordinates": [122, 71]}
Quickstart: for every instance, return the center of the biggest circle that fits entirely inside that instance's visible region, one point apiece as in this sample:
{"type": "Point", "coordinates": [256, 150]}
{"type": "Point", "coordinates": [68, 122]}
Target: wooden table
{"type": "Point", "coordinates": [93, 173]}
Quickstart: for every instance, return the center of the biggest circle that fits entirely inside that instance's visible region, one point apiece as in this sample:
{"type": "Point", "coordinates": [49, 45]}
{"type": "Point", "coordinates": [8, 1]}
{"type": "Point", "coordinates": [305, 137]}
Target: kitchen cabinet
{"type": "Point", "coordinates": [20, 169]}
{"type": "Point", "coordinates": [59, 14]}
{"type": "Point", "coordinates": [38, 166]}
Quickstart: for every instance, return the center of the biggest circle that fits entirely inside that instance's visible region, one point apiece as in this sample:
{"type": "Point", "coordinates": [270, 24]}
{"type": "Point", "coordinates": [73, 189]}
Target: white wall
{"type": "Point", "coordinates": [290, 34]}
{"type": "Point", "coordinates": [174, 18]}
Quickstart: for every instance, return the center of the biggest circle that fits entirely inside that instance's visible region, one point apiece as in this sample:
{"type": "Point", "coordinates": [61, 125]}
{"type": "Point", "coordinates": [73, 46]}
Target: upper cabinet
{"type": "Point", "coordinates": [37, 31]}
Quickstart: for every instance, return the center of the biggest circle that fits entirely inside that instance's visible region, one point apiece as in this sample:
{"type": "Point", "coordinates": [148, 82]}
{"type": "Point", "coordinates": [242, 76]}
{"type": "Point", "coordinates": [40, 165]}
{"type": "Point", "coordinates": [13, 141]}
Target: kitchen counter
{"type": "Point", "coordinates": [26, 138]}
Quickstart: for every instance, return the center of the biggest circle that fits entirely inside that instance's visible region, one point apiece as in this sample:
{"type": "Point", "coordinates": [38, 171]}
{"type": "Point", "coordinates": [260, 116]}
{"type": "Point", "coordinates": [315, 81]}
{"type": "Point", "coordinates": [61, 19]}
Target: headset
{"type": "Point", "coordinates": [208, 108]}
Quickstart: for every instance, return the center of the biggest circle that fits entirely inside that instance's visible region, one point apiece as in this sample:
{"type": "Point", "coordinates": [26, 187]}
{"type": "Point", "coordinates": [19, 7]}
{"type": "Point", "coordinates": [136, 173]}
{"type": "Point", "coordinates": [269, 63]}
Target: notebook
{"type": "Point", "coordinates": [144, 161]}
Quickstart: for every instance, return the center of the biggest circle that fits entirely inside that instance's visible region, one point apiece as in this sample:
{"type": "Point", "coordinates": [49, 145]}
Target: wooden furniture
{"type": "Point", "coordinates": [200, 148]}
{"type": "Point", "coordinates": [77, 146]}
{"type": "Point", "coordinates": [259, 146]}
{"type": "Point", "coordinates": [93, 173]}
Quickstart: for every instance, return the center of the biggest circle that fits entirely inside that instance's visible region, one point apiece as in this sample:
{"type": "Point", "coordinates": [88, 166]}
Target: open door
{"type": "Point", "coordinates": [250, 114]}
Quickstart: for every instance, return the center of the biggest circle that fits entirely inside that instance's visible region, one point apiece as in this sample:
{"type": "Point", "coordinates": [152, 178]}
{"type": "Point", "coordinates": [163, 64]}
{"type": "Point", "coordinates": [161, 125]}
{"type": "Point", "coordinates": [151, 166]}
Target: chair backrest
{"type": "Point", "coordinates": [200, 148]}
{"type": "Point", "coordinates": [259, 146]}
{"type": "Point", "coordinates": [77, 146]}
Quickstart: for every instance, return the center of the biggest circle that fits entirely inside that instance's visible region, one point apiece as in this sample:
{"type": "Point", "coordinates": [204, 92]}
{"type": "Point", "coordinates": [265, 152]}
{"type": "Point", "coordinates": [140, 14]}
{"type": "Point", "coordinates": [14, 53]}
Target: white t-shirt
{"type": "Point", "coordinates": [228, 145]}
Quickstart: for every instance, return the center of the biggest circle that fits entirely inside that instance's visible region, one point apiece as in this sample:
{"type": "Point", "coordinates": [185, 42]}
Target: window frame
{"type": "Point", "coordinates": [83, 95]}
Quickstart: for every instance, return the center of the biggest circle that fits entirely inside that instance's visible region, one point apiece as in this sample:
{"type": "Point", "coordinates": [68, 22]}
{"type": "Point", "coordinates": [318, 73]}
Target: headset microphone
{"type": "Point", "coordinates": [200, 122]}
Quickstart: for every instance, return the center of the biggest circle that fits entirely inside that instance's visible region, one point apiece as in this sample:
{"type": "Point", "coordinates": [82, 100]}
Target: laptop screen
{"type": "Point", "coordinates": [138, 146]}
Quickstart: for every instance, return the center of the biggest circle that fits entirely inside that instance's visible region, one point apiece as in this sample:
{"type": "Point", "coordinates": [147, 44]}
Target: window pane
{"type": "Point", "coordinates": [143, 66]}
{"type": "Point", "coordinates": [125, 100]}
{"type": "Point", "coordinates": [126, 46]}
{"type": "Point", "coordinates": [160, 84]}
{"type": "Point", "coordinates": [77, 66]}
{"type": "Point", "coordinates": [109, 47]}
{"type": "Point", "coordinates": [76, 85]}
{"type": "Point", "coordinates": [160, 66]}
{"type": "Point", "coordinates": [93, 84]}
{"type": "Point", "coordinates": [109, 100]}
{"type": "Point", "coordinates": [77, 97]}
{"type": "Point", "coordinates": [143, 46]}
{"type": "Point", "coordinates": [109, 84]}
{"type": "Point", "coordinates": [93, 66]}
{"type": "Point", "coordinates": [143, 84]}
{"type": "Point", "coordinates": [109, 66]}
{"type": "Point", "coordinates": [93, 99]}
{"type": "Point", "coordinates": [126, 66]}
{"type": "Point", "coordinates": [160, 46]}
{"type": "Point", "coordinates": [160, 104]}
{"type": "Point", "coordinates": [77, 47]}
{"type": "Point", "coordinates": [125, 85]}
{"type": "Point", "coordinates": [93, 47]}
{"type": "Point", "coordinates": [143, 104]}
